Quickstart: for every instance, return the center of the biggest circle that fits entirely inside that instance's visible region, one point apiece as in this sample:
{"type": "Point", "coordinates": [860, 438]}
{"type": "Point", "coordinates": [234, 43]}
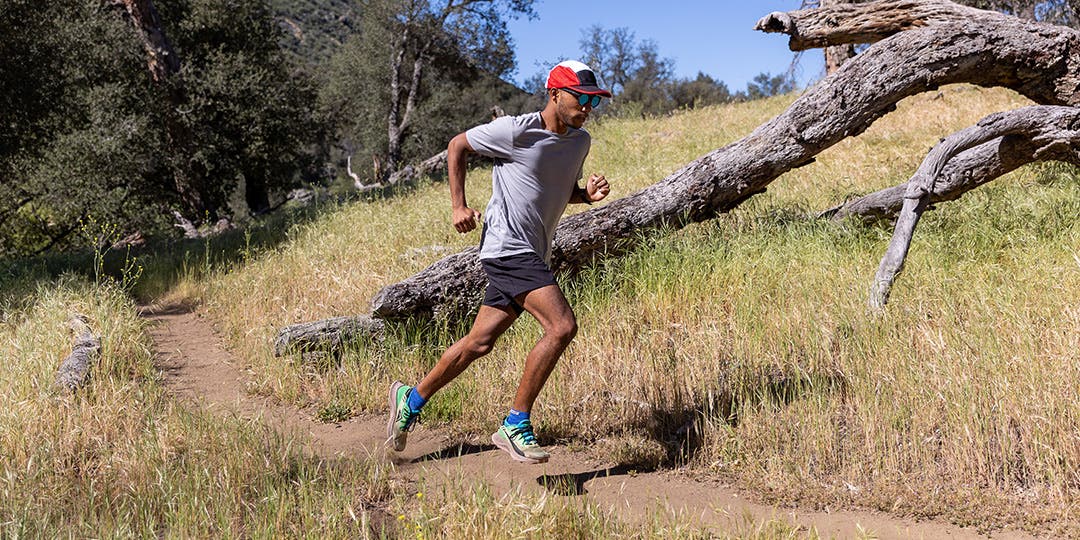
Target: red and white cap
{"type": "Point", "coordinates": [575, 76]}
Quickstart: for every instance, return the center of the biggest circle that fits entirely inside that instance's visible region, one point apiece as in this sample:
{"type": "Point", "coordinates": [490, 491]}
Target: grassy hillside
{"type": "Point", "coordinates": [750, 330]}
{"type": "Point", "coordinates": [738, 347]}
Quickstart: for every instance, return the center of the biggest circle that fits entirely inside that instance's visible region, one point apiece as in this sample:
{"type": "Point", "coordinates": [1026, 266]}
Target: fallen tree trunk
{"type": "Point", "coordinates": [843, 23]}
{"type": "Point", "coordinates": [924, 44]}
{"type": "Point", "coordinates": [1055, 126]}
{"type": "Point", "coordinates": [74, 371]}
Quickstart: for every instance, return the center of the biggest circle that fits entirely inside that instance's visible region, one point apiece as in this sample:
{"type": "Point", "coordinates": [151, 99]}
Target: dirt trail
{"type": "Point", "coordinates": [196, 368]}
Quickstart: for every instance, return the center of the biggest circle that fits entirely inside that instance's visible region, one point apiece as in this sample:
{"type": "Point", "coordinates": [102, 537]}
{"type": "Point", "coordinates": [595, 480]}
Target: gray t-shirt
{"type": "Point", "coordinates": [534, 176]}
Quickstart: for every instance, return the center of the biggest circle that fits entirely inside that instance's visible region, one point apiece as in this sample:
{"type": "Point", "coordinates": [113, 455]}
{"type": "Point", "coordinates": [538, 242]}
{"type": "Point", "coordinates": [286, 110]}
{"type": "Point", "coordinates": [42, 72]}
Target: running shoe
{"type": "Point", "coordinates": [519, 441]}
{"type": "Point", "coordinates": [402, 418]}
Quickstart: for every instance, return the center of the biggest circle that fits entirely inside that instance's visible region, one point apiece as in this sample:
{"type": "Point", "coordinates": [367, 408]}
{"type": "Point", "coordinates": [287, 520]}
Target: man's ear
{"type": "Point", "coordinates": [552, 94]}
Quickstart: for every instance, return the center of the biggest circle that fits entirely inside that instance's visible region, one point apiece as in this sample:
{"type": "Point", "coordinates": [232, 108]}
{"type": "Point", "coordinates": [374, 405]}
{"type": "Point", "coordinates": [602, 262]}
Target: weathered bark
{"type": "Point", "coordinates": [74, 371]}
{"type": "Point", "coordinates": [397, 119]}
{"type": "Point", "coordinates": [836, 55]}
{"type": "Point", "coordinates": [943, 44]}
{"type": "Point", "coordinates": [161, 59]}
{"type": "Point", "coordinates": [1054, 126]}
{"type": "Point", "coordinates": [327, 334]}
{"type": "Point", "coordinates": [849, 23]}
{"type": "Point", "coordinates": [983, 47]}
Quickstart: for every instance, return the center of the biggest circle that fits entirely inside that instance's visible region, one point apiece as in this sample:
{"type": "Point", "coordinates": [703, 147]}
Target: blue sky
{"type": "Point", "coordinates": [715, 37]}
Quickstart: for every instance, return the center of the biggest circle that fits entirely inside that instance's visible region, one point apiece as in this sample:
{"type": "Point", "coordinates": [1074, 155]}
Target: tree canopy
{"type": "Point", "coordinates": [90, 127]}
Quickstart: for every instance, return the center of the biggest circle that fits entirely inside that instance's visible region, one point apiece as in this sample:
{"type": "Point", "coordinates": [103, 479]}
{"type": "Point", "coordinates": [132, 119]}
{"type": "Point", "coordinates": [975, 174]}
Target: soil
{"type": "Point", "coordinates": [197, 369]}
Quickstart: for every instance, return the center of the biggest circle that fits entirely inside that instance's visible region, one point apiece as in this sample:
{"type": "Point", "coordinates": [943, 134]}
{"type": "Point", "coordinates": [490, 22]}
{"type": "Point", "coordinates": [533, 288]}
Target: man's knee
{"type": "Point", "coordinates": [480, 344]}
{"type": "Point", "coordinates": [564, 329]}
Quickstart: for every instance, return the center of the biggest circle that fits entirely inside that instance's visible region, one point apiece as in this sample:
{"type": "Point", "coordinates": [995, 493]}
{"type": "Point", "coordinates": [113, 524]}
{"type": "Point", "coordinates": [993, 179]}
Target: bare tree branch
{"type": "Point", "coordinates": [1056, 126]}
{"type": "Point", "coordinates": [963, 173]}
{"type": "Point", "coordinates": [834, 24]}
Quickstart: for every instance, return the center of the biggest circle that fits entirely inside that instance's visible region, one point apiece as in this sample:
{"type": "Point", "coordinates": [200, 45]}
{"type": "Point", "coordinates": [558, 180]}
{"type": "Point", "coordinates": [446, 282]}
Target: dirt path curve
{"type": "Point", "coordinates": [196, 368]}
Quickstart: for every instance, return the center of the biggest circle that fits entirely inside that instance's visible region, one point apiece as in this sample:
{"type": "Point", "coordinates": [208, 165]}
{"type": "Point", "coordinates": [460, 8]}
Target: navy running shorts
{"type": "Point", "coordinates": [513, 276]}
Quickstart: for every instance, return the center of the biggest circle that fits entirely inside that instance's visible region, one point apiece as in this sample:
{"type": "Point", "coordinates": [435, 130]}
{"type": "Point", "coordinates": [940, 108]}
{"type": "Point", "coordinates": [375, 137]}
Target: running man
{"type": "Point", "coordinates": [538, 162]}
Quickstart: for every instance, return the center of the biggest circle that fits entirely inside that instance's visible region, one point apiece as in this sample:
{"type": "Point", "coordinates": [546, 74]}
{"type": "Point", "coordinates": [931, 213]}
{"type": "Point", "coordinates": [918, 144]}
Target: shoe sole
{"type": "Point", "coordinates": [391, 433]}
{"type": "Point", "coordinates": [506, 446]}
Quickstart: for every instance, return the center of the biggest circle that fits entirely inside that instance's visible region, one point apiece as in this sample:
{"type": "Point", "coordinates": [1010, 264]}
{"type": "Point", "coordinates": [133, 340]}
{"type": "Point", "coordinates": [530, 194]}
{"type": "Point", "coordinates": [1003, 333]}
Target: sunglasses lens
{"type": "Point", "coordinates": [584, 99]}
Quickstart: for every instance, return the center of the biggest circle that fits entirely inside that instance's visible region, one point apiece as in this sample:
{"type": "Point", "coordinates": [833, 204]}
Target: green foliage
{"type": "Point", "coordinates": [101, 238]}
{"type": "Point", "coordinates": [767, 85]}
{"type": "Point", "coordinates": [87, 133]}
{"type": "Point", "coordinates": [699, 92]}
{"type": "Point", "coordinates": [253, 119]}
{"type": "Point", "coordinates": [333, 412]}
{"type": "Point", "coordinates": [77, 138]}
{"type": "Point", "coordinates": [313, 30]}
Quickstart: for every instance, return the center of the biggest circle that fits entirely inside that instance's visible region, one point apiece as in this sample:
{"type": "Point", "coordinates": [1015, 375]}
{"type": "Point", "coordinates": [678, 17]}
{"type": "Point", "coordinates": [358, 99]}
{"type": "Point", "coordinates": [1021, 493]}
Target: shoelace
{"type": "Point", "coordinates": [411, 418]}
{"type": "Point", "coordinates": [525, 430]}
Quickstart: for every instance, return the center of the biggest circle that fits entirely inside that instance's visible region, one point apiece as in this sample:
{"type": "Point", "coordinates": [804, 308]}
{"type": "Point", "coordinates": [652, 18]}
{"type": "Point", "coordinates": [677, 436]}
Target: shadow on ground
{"type": "Point", "coordinates": [573, 484]}
{"type": "Point", "coordinates": [455, 451]}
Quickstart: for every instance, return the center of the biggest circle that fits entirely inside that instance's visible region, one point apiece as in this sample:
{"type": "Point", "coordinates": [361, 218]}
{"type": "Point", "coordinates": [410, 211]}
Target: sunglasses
{"type": "Point", "coordinates": [584, 99]}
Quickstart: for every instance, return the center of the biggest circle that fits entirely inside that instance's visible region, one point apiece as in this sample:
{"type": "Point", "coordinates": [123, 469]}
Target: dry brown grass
{"type": "Point", "coordinates": [121, 459]}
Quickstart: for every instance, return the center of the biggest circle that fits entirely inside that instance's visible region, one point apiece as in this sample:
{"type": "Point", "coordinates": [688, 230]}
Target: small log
{"type": "Point", "coordinates": [74, 371]}
{"type": "Point", "coordinates": [328, 334]}
{"type": "Point", "coordinates": [433, 165]}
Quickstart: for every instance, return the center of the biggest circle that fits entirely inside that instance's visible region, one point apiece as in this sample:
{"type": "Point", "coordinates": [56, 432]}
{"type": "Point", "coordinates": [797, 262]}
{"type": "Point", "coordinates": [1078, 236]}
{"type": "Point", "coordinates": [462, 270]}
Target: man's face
{"type": "Point", "coordinates": [570, 111]}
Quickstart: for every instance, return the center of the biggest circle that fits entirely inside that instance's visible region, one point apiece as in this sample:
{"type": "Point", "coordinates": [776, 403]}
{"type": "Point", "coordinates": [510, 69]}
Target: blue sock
{"type": "Point", "coordinates": [416, 401]}
{"type": "Point", "coordinates": [516, 417]}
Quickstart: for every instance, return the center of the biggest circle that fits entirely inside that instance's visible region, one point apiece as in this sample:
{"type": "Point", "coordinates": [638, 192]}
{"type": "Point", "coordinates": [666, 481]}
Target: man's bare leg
{"type": "Point", "coordinates": [549, 307]}
{"type": "Point", "coordinates": [491, 322]}
{"type": "Point", "coordinates": [553, 312]}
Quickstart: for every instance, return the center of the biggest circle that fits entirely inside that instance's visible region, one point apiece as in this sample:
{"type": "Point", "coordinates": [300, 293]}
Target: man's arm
{"type": "Point", "coordinates": [457, 153]}
{"type": "Point", "coordinates": [595, 190]}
